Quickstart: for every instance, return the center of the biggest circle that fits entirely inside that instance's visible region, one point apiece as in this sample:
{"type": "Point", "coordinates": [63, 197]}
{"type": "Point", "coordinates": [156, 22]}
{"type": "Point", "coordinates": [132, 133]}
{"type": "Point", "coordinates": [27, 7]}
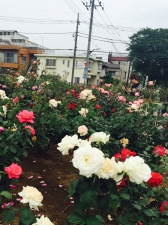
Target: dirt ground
{"type": "Point", "coordinates": [55, 172]}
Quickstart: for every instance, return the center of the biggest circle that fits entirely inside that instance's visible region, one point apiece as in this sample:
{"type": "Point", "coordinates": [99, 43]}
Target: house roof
{"type": "Point", "coordinates": [116, 58]}
{"type": "Point", "coordinates": [111, 66]}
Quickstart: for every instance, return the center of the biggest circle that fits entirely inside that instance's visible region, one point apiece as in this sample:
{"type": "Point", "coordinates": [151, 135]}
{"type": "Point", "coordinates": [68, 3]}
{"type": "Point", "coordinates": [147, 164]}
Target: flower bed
{"type": "Point", "coordinates": [121, 141]}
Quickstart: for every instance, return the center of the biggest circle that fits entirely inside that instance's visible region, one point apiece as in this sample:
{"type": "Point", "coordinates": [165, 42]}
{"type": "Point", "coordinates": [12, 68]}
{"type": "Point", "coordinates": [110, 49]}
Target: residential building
{"type": "Point", "coordinates": [62, 65]}
{"type": "Point", "coordinates": [16, 51]}
{"type": "Point", "coordinates": [118, 66]}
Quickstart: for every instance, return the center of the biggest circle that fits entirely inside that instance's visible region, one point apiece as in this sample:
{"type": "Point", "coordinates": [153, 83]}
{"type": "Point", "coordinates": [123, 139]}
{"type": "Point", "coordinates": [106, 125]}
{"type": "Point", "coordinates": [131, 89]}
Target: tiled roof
{"type": "Point", "coordinates": [118, 58]}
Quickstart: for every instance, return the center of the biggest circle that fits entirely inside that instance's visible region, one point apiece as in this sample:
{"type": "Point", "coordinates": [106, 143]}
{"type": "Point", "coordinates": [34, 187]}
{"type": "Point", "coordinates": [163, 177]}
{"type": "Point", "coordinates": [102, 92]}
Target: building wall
{"type": "Point", "coordinates": [65, 71]}
{"type": "Point", "coordinates": [19, 54]}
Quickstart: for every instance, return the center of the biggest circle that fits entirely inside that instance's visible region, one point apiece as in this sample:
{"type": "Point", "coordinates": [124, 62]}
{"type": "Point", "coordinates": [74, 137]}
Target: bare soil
{"type": "Point", "coordinates": [56, 171]}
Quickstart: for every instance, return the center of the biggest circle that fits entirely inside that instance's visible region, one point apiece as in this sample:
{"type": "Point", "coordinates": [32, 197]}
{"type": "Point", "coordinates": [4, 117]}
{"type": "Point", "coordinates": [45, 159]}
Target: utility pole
{"type": "Point", "coordinates": [92, 6]}
{"type": "Point", "coordinates": [75, 47]}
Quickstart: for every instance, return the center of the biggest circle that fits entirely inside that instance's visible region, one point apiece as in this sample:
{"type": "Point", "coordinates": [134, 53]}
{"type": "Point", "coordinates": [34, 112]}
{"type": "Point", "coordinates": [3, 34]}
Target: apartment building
{"type": "Point", "coordinates": [16, 51]}
{"type": "Point", "coordinates": [62, 65]}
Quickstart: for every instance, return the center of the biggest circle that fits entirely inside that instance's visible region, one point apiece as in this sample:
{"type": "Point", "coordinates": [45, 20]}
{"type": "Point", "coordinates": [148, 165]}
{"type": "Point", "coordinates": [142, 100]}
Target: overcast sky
{"type": "Point", "coordinates": [119, 20]}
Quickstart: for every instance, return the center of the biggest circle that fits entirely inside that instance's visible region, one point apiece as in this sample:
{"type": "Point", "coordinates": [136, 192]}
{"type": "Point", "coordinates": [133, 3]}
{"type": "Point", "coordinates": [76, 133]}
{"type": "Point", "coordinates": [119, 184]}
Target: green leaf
{"type": "Point", "coordinates": [26, 216]}
{"type": "Point", "coordinates": [137, 206]}
{"type": "Point", "coordinates": [6, 194]}
{"type": "Point", "coordinates": [93, 221]}
{"type": "Point", "coordinates": [100, 218]}
{"type": "Point", "coordinates": [13, 149]}
{"type": "Point", "coordinates": [114, 201]}
{"type": "Point", "coordinates": [72, 187]}
{"type": "Point", "coordinates": [88, 198]}
{"type": "Point", "coordinates": [124, 195]}
{"type": "Point", "coordinates": [150, 212]}
{"type": "Point", "coordinates": [103, 204]}
{"type": "Point", "coordinates": [111, 184]}
{"type": "Point", "coordinates": [8, 216]}
{"type": "Point", "coordinates": [75, 218]}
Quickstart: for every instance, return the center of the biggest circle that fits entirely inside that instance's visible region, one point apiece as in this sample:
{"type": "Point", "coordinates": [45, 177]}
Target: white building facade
{"type": "Point", "coordinates": [62, 65]}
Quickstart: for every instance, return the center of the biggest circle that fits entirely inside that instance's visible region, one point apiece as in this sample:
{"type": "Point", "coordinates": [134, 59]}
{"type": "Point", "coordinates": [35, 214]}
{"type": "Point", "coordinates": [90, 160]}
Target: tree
{"type": "Point", "coordinates": [148, 50]}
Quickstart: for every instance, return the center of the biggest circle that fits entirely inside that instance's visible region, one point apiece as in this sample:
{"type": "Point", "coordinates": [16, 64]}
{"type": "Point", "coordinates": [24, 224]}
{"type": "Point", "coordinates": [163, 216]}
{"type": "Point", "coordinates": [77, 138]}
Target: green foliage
{"type": "Point", "coordinates": [148, 50]}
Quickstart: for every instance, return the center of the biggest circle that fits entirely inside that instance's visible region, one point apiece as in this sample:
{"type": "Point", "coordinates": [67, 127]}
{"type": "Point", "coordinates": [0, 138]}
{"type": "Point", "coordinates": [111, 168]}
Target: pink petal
{"type": "Point", "coordinates": [18, 199]}
{"type": "Point", "coordinates": [39, 177]}
{"type": "Point", "coordinates": [12, 186]}
{"type": "Point", "coordinates": [44, 184]}
{"type": "Point", "coordinates": [34, 161]}
{"type": "Point", "coordinates": [71, 202]}
{"type": "Point", "coordinates": [44, 170]}
{"type": "Point", "coordinates": [30, 177]}
{"type": "Point", "coordinates": [71, 198]}
{"type": "Point", "coordinates": [60, 185]}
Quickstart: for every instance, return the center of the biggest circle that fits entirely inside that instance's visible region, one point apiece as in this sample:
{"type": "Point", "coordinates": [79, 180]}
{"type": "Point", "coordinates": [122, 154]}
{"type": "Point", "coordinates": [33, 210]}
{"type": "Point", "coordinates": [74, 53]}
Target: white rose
{"type": "Point", "coordinates": [82, 143]}
{"type": "Point", "coordinates": [82, 130]}
{"type": "Point", "coordinates": [32, 196]}
{"type": "Point", "coordinates": [2, 93]}
{"type": "Point", "coordinates": [90, 97]}
{"type": "Point", "coordinates": [110, 169]}
{"type": "Point", "coordinates": [84, 94]}
{"type": "Point", "coordinates": [4, 97]}
{"type": "Point", "coordinates": [43, 221]}
{"type": "Point", "coordinates": [137, 170]}
{"type": "Point", "coordinates": [4, 110]}
{"type": "Point", "coordinates": [88, 160]}
{"type": "Point", "coordinates": [83, 112]}
{"type": "Point", "coordinates": [53, 103]}
{"type": "Point", "coordinates": [67, 143]}
{"type": "Point", "coordinates": [20, 79]}
{"type": "Point", "coordinates": [99, 137]}
{"type": "Point", "coordinates": [134, 107]}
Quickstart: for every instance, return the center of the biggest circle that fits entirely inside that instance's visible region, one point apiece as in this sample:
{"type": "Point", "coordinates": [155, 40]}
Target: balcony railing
{"type": "Point", "coordinates": [9, 60]}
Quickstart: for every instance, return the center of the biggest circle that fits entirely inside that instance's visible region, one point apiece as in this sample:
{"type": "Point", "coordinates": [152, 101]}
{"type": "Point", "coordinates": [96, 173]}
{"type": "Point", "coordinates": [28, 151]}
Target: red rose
{"type": "Point", "coordinates": [32, 130]}
{"type": "Point", "coordinates": [72, 105]}
{"type": "Point", "coordinates": [113, 109]}
{"type": "Point", "coordinates": [104, 114]}
{"type": "Point", "coordinates": [72, 91]}
{"type": "Point", "coordinates": [159, 150]}
{"type": "Point", "coordinates": [122, 183]}
{"type": "Point", "coordinates": [25, 116]}
{"type": "Point", "coordinates": [97, 106]}
{"type": "Point", "coordinates": [13, 171]}
{"type": "Point", "coordinates": [139, 223]}
{"type": "Point", "coordinates": [117, 156]}
{"type": "Point", "coordinates": [125, 153]}
{"type": "Point", "coordinates": [155, 180]}
{"type": "Point", "coordinates": [162, 207]}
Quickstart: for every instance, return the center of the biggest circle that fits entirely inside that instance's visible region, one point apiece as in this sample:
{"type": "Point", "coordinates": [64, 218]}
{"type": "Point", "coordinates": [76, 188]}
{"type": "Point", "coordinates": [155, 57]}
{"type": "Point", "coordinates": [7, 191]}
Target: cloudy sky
{"type": "Point", "coordinates": [52, 22]}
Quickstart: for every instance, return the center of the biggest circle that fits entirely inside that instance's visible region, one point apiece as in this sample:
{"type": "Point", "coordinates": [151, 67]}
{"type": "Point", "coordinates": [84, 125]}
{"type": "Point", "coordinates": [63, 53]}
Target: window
{"type": "Point", "coordinates": [77, 80]}
{"type": "Point", "coordinates": [90, 65]}
{"type": "Point", "coordinates": [10, 57]}
{"type": "Point", "coordinates": [51, 62]}
{"type": "Point", "coordinates": [78, 64]}
{"type": "Point", "coordinates": [112, 73]}
{"type": "Point", "coordinates": [23, 59]}
{"type": "Point", "coordinates": [63, 62]}
{"type": "Point", "coordinates": [99, 66]}
{"type": "Point", "coordinates": [68, 63]}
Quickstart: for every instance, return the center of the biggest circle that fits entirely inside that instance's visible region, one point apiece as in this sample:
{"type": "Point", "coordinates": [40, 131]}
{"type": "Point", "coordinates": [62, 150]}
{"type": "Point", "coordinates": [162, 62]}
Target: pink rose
{"type": "Point", "coordinates": [1, 129]}
{"type": "Point", "coordinates": [165, 114]}
{"type": "Point", "coordinates": [122, 98]}
{"type": "Point", "coordinates": [34, 62]}
{"type": "Point", "coordinates": [34, 88]}
{"type": "Point", "coordinates": [100, 80]}
{"type": "Point", "coordinates": [13, 171]}
{"type": "Point", "coordinates": [107, 85]}
{"type": "Point", "coordinates": [137, 103]}
{"type": "Point", "coordinates": [137, 94]}
{"type": "Point", "coordinates": [140, 101]}
{"type": "Point", "coordinates": [16, 99]}
{"type": "Point", "coordinates": [25, 116]}
{"type": "Point", "coordinates": [32, 130]}
{"type": "Point", "coordinates": [82, 130]}
{"type": "Point", "coordinates": [151, 83]}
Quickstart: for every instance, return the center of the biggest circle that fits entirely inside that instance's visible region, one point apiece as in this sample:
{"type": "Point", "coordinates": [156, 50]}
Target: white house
{"type": "Point", "coordinates": [62, 65]}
